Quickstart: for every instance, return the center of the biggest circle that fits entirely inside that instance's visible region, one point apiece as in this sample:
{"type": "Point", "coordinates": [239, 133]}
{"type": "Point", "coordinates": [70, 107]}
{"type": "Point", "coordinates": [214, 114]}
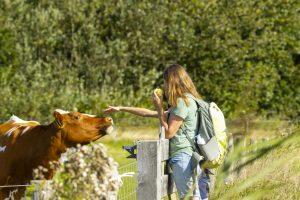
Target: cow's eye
{"type": "Point", "coordinates": [74, 116]}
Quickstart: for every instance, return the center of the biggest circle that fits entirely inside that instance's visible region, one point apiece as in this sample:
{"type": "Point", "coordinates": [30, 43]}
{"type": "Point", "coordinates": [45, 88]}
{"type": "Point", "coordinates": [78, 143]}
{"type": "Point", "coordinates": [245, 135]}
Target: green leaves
{"type": "Point", "coordinates": [244, 55]}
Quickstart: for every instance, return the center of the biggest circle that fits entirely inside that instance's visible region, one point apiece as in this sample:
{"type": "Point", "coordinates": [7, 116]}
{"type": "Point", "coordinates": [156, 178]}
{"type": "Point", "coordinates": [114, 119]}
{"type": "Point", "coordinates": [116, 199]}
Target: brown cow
{"type": "Point", "coordinates": [25, 145]}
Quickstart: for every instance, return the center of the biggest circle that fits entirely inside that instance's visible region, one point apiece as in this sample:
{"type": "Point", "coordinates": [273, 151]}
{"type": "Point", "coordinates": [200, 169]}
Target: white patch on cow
{"type": "Point", "coordinates": [25, 130]}
{"type": "Point", "coordinates": [60, 111]}
{"type": "Point", "coordinates": [17, 120]}
{"type": "Point", "coordinates": [2, 149]}
{"type": "Point", "coordinates": [89, 115]}
{"type": "Point", "coordinates": [10, 131]}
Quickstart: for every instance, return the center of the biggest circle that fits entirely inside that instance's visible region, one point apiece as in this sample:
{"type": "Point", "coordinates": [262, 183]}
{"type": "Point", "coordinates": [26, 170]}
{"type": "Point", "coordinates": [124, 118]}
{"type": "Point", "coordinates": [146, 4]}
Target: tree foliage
{"type": "Point", "coordinates": [84, 55]}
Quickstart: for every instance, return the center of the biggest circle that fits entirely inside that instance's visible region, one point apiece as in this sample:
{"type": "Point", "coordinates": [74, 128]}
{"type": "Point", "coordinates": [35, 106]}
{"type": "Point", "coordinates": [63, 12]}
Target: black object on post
{"type": "Point", "coordinates": [130, 149]}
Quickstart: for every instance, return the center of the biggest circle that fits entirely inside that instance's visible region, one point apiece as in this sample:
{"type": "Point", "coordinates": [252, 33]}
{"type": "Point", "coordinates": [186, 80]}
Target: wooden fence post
{"type": "Point", "coordinates": [153, 183]}
{"type": "Point", "coordinates": [149, 170]}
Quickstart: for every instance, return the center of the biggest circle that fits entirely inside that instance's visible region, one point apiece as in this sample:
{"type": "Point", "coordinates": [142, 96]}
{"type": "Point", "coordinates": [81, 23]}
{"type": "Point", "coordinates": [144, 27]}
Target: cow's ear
{"type": "Point", "coordinates": [58, 118]}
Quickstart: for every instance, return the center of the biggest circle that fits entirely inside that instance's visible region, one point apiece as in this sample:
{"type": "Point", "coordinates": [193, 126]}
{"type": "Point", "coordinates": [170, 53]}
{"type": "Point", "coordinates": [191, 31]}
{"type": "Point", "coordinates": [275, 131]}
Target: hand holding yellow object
{"type": "Point", "coordinates": [159, 92]}
{"type": "Point", "coordinates": [157, 97]}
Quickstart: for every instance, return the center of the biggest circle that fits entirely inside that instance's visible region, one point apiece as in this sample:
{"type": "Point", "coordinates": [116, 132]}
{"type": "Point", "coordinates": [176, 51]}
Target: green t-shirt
{"type": "Point", "coordinates": [180, 143]}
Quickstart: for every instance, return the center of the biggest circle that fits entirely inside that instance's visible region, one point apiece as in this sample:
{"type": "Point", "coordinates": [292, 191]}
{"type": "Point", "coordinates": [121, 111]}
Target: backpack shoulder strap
{"type": "Point", "coordinates": [192, 141]}
{"type": "Point", "coordinates": [203, 116]}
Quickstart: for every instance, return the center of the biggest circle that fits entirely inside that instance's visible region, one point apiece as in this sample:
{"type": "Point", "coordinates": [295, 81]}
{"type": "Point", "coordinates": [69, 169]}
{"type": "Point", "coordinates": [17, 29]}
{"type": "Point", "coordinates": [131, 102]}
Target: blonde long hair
{"type": "Point", "coordinates": [177, 83]}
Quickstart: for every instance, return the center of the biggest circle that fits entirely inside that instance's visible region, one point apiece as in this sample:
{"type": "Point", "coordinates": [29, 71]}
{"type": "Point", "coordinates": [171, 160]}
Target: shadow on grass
{"type": "Point", "coordinates": [258, 153]}
{"type": "Point", "coordinates": [254, 187]}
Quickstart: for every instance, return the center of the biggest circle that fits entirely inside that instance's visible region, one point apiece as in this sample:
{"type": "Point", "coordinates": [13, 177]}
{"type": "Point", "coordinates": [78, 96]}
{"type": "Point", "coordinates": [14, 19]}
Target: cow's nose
{"type": "Point", "coordinates": [109, 119]}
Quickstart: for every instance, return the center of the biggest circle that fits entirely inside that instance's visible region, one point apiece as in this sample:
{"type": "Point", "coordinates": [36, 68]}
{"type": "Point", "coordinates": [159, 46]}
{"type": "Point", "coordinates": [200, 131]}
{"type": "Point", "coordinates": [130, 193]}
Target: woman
{"type": "Point", "coordinates": [179, 121]}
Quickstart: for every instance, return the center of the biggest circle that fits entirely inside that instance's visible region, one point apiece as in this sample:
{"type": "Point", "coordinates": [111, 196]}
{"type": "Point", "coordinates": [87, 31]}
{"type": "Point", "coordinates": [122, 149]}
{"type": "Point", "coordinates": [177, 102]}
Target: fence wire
{"type": "Point", "coordinates": [127, 191]}
{"type": "Point", "coordinates": [32, 191]}
{"type": "Point", "coordinates": [129, 186]}
{"type": "Point", "coordinates": [14, 189]}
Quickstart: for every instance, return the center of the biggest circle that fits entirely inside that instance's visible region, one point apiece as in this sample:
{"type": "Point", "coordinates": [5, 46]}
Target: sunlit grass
{"type": "Point", "coordinates": [265, 170]}
{"type": "Point", "coordinates": [127, 136]}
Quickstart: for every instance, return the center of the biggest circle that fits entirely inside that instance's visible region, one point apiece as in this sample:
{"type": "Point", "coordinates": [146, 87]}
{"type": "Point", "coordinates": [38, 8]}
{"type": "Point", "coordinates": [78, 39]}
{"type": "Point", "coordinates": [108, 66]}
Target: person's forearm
{"type": "Point", "coordinates": [143, 112]}
{"type": "Point", "coordinates": [169, 131]}
{"type": "Point", "coordinates": [162, 118]}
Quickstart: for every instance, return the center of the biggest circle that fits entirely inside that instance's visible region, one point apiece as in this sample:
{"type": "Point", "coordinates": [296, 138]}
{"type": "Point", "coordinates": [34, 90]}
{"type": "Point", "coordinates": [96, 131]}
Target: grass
{"type": "Point", "coordinates": [127, 136]}
{"type": "Point", "coordinates": [267, 169]}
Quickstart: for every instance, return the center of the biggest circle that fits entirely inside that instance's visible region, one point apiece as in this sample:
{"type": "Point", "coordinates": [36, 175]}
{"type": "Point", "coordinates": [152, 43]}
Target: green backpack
{"type": "Point", "coordinates": [211, 138]}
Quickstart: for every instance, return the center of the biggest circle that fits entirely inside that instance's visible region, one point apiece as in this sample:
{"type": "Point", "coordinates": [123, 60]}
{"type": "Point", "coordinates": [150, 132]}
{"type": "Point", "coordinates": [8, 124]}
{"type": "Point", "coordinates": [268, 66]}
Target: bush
{"type": "Point", "coordinates": [84, 55]}
{"type": "Point", "coordinates": [87, 173]}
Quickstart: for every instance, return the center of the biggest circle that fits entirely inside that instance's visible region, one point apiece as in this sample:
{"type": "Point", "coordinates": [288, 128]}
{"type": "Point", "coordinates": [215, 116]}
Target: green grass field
{"type": "Point", "coordinates": [127, 136]}
{"type": "Point", "coordinates": [266, 169]}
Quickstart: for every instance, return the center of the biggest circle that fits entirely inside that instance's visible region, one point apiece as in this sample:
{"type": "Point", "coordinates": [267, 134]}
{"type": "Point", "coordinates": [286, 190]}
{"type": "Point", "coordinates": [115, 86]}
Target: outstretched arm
{"type": "Point", "coordinates": [143, 112]}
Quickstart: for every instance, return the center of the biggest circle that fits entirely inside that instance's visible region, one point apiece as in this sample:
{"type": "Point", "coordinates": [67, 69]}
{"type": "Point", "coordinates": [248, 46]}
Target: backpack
{"type": "Point", "coordinates": [211, 138]}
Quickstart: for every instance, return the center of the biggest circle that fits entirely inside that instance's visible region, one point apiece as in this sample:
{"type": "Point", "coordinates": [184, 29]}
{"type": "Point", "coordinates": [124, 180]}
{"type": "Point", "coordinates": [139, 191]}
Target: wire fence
{"type": "Point", "coordinates": [36, 190]}
{"type": "Point", "coordinates": [129, 186]}
{"type": "Point", "coordinates": [14, 189]}
{"type": "Point", "coordinates": [127, 191]}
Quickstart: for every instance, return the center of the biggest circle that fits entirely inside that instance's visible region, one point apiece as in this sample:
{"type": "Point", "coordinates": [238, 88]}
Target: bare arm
{"type": "Point", "coordinates": [174, 123]}
{"type": "Point", "coordinates": [143, 112]}
{"type": "Point", "coordinates": [172, 127]}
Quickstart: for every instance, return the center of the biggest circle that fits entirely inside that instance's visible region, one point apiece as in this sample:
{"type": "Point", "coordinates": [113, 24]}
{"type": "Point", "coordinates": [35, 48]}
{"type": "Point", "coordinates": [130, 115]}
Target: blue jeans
{"type": "Point", "coordinates": [183, 175]}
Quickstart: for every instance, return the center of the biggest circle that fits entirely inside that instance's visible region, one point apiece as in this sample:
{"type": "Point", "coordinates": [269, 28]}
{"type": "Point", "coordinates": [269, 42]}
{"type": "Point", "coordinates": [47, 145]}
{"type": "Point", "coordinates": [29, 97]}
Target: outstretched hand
{"type": "Point", "coordinates": [111, 109]}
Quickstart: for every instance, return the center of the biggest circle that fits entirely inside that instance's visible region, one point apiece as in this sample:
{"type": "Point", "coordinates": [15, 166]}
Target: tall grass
{"type": "Point", "coordinates": [264, 170]}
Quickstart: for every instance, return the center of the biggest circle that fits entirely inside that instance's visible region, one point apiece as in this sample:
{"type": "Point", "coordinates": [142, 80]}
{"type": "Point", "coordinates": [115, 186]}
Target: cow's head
{"type": "Point", "coordinates": [82, 128]}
